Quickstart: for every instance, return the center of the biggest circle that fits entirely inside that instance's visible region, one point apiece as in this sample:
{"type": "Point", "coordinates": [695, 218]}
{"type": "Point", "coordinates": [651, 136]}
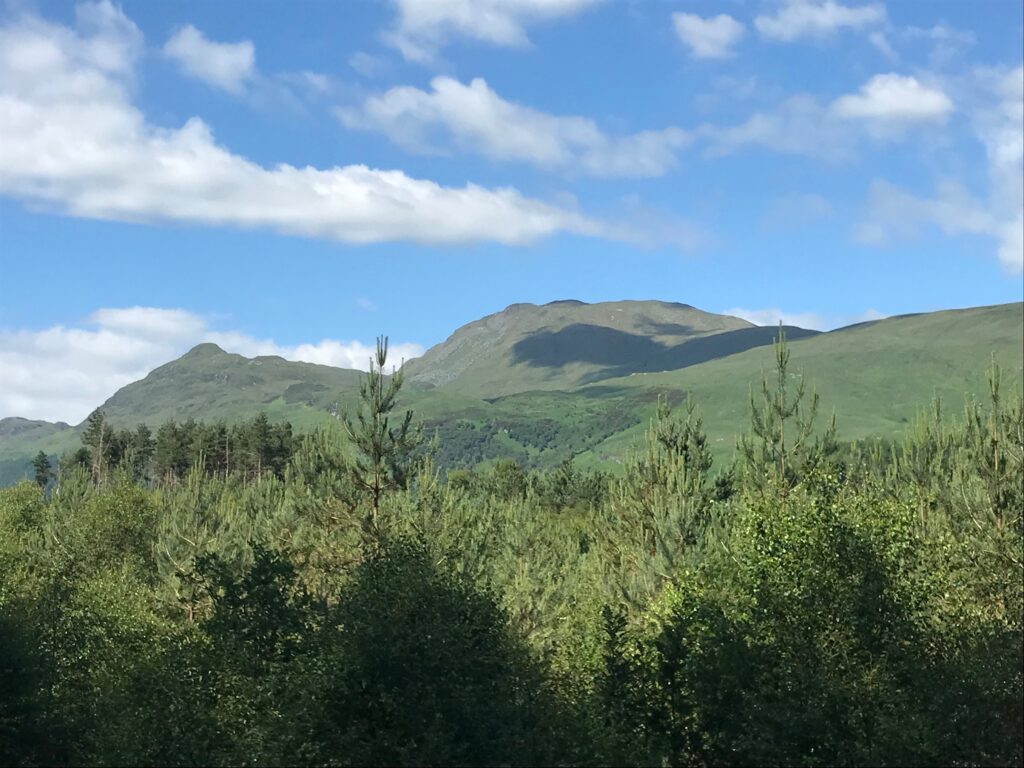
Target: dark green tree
{"type": "Point", "coordinates": [98, 438]}
{"type": "Point", "coordinates": [42, 472]}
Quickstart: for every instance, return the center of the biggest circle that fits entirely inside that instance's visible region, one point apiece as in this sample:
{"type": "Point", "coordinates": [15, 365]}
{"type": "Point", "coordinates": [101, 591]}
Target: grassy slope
{"type": "Point", "coordinates": [565, 344]}
{"type": "Point", "coordinates": [875, 375]}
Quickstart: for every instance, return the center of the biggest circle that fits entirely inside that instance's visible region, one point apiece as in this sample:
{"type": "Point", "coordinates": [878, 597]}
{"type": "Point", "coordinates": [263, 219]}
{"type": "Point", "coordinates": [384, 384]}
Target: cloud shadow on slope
{"type": "Point", "coordinates": [621, 353]}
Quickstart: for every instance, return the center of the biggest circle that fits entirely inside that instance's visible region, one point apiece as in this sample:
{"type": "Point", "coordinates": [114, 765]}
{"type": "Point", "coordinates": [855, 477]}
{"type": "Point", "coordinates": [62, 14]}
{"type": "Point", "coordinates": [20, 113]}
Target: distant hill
{"type": "Point", "coordinates": [566, 344]}
{"type": "Point", "coordinates": [541, 384]}
{"type": "Point", "coordinates": [17, 427]}
{"type": "Point", "coordinates": [208, 383]}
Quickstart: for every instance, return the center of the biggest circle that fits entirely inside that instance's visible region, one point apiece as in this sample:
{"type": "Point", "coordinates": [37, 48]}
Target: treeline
{"type": "Point", "coordinates": [249, 449]}
{"type": "Point", "coordinates": [807, 606]}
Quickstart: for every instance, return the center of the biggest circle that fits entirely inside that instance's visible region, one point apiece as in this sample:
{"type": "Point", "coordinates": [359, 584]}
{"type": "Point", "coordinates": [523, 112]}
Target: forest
{"type": "Point", "coordinates": [223, 595]}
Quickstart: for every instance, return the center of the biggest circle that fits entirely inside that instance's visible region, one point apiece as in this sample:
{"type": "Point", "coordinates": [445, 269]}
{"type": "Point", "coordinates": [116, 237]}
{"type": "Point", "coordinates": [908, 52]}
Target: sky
{"type": "Point", "coordinates": [297, 178]}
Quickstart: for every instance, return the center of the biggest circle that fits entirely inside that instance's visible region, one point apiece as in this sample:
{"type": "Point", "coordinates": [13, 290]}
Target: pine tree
{"type": "Point", "coordinates": [783, 425]}
{"type": "Point", "coordinates": [382, 453]}
{"type": "Point", "coordinates": [42, 471]}
{"type": "Point", "coordinates": [663, 502]}
{"type": "Point", "coordinates": [97, 438]}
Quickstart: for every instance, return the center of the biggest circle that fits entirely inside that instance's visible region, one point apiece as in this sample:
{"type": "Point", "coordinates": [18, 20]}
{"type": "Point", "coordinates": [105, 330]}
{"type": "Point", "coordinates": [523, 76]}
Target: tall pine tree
{"type": "Point", "coordinates": [381, 452]}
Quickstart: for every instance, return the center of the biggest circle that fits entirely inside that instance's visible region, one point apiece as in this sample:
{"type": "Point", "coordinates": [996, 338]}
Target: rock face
{"type": "Point", "coordinates": [568, 343]}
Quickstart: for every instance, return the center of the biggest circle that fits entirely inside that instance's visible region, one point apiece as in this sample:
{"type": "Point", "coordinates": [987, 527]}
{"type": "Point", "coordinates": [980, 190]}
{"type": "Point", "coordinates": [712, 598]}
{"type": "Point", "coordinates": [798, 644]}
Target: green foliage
{"type": "Point", "coordinates": [810, 604]}
{"type": "Point", "coordinates": [427, 666]}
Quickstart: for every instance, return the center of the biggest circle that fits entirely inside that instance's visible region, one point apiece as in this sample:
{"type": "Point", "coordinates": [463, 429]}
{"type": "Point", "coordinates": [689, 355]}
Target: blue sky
{"type": "Point", "coordinates": [296, 178]}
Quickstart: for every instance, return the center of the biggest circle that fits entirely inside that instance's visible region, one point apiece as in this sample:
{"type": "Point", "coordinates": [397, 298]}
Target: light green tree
{"type": "Point", "coordinates": [381, 453]}
{"type": "Point", "coordinates": [782, 423]}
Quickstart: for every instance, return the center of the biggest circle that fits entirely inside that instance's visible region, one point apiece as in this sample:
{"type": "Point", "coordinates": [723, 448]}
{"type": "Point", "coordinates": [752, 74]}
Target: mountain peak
{"type": "Point", "coordinates": [206, 349]}
{"type": "Point", "coordinates": [566, 303]}
{"type": "Point", "coordinates": [568, 343]}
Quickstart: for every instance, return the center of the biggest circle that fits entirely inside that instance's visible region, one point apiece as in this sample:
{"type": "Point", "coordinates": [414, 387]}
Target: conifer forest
{"type": "Point", "coordinates": [248, 595]}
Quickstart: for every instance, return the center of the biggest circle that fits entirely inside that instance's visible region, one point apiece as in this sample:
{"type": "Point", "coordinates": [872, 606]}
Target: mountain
{"type": "Point", "coordinates": [566, 344]}
{"type": "Point", "coordinates": [208, 383]}
{"type": "Point", "coordinates": [567, 379]}
{"type": "Point", "coordinates": [17, 427]}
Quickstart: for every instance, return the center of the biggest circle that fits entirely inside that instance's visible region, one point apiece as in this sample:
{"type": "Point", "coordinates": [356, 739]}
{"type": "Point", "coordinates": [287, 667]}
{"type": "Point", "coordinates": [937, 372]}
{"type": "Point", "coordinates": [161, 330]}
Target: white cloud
{"type": "Point", "coordinates": [424, 26]}
{"type": "Point", "coordinates": [894, 214]}
{"type": "Point", "coordinates": [231, 67]}
{"type": "Point", "coordinates": [475, 118]}
{"type": "Point", "coordinates": [796, 19]}
{"type": "Point", "coordinates": [62, 373]}
{"type": "Point", "coordinates": [800, 125]}
{"type": "Point", "coordinates": [882, 110]}
{"type": "Point", "coordinates": [75, 142]}
{"type": "Point", "coordinates": [810, 320]}
{"type": "Point", "coordinates": [228, 66]}
{"type": "Point", "coordinates": [994, 102]}
{"type": "Point", "coordinates": [895, 98]}
{"type": "Point", "coordinates": [710, 38]}
{"type": "Point", "coordinates": [998, 122]}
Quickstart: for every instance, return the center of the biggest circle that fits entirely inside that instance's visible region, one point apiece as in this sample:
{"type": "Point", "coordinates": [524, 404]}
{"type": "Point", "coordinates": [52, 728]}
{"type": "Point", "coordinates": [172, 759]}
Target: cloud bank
{"type": "Point", "coordinates": [74, 142]}
{"type": "Point", "coordinates": [62, 373]}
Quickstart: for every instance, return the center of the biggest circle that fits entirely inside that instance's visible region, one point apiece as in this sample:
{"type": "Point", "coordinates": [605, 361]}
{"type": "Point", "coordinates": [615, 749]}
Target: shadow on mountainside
{"type": "Point", "coordinates": [622, 353]}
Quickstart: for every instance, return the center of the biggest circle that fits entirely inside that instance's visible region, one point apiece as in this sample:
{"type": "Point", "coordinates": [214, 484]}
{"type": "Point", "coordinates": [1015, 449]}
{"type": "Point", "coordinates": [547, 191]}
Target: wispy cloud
{"type": "Point", "coordinates": [423, 27]}
{"type": "Point", "coordinates": [994, 102]}
{"type": "Point", "coordinates": [473, 117]}
{"type": "Point", "coordinates": [798, 19]}
{"type": "Point", "coordinates": [884, 108]}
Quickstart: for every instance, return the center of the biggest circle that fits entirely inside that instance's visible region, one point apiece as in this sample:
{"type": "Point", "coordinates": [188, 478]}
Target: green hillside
{"type": "Point", "coordinates": [206, 384]}
{"type": "Point", "coordinates": [209, 383]}
{"type": "Point", "coordinates": [875, 375]}
{"type": "Point", "coordinates": [566, 344]}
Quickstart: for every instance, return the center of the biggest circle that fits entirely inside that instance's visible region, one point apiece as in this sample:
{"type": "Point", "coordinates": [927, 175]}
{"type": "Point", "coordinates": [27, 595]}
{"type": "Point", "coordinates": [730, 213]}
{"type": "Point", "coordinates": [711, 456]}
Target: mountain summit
{"type": "Point", "coordinates": [568, 343]}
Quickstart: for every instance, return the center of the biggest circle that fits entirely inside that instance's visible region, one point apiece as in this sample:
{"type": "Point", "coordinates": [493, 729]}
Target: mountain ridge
{"type": "Point", "coordinates": [876, 373]}
{"type": "Point", "coordinates": [493, 355]}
